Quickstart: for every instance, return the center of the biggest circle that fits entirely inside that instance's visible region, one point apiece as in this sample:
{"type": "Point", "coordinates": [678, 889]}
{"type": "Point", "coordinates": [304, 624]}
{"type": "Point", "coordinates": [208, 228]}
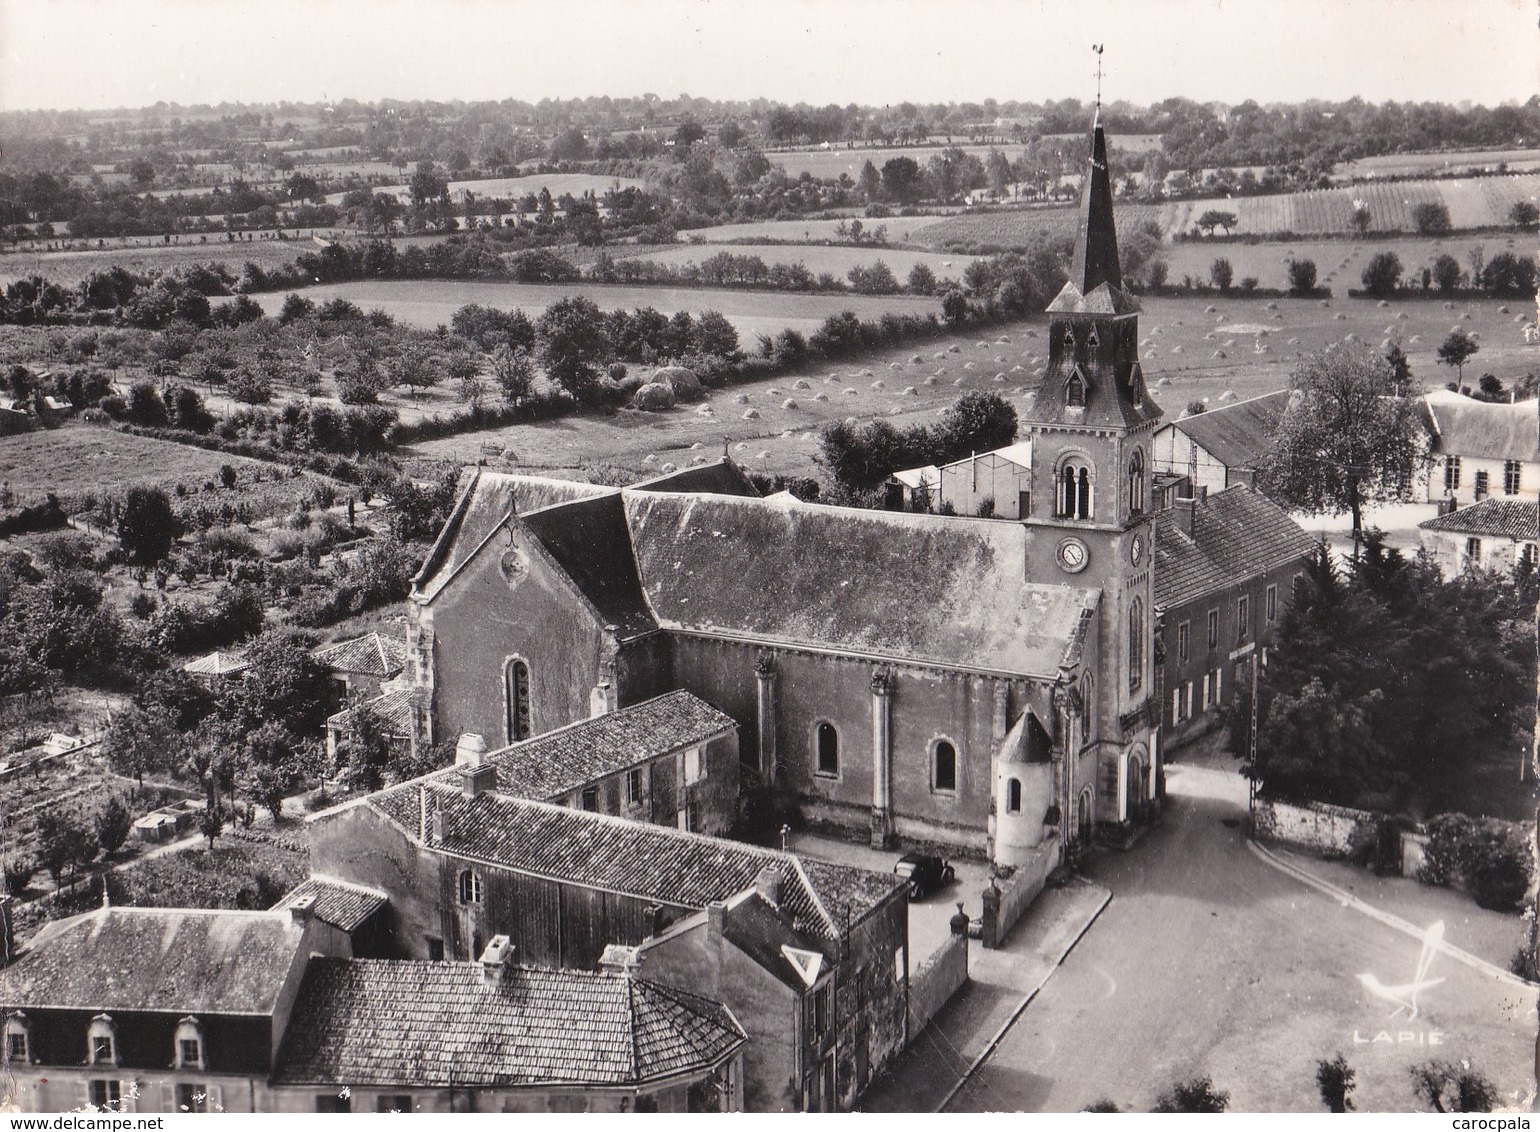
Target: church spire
{"type": "Point", "coordinates": [1096, 234]}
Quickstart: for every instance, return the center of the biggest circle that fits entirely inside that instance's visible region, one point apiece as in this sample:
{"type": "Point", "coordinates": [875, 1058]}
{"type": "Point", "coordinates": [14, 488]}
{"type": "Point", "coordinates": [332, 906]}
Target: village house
{"type": "Point", "coordinates": [981, 684]}
{"type": "Point", "coordinates": [400, 714]}
{"type": "Point", "coordinates": [1495, 534]}
{"type": "Point", "coordinates": [462, 862]}
{"type": "Point", "coordinates": [1222, 446]}
{"type": "Point", "coordinates": [217, 667]}
{"type": "Point", "coordinates": [149, 1010]}
{"type": "Point", "coordinates": [1481, 449]}
{"type": "Point", "coordinates": [361, 666]}
{"type": "Point", "coordinates": [372, 1035]}
{"type": "Point", "coordinates": [671, 760]}
{"type": "Point", "coordinates": [1226, 566]}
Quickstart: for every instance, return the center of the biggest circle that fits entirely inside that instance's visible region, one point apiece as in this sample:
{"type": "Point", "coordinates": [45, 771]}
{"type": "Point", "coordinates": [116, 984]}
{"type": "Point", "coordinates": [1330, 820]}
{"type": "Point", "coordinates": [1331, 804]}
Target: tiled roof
{"type": "Point", "coordinates": [371, 655]}
{"type": "Point", "coordinates": [1237, 534]}
{"type": "Point", "coordinates": [929, 588]}
{"type": "Point", "coordinates": [556, 763]}
{"type": "Point", "coordinates": [1466, 427]}
{"type": "Point", "coordinates": [394, 710]}
{"type": "Point", "coordinates": [156, 959]}
{"type": "Point", "coordinates": [344, 906]}
{"type": "Point", "coordinates": [651, 861]}
{"type": "Point", "coordinates": [1237, 435]}
{"type": "Point", "coordinates": [217, 664]}
{"type": "Point", "coordinates": [375, 1022]}
{"type": "Point", "coordinates": [1515, 518]}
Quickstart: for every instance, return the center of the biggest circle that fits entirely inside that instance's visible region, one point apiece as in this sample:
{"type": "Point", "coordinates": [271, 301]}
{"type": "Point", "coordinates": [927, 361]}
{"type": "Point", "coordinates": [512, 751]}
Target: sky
{"type": "Point", "coordinates": [93, 54]}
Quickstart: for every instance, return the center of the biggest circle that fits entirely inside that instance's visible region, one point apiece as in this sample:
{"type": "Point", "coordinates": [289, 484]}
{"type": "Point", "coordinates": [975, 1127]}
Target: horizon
{"type": "Point", "coordinates": [69, 55]}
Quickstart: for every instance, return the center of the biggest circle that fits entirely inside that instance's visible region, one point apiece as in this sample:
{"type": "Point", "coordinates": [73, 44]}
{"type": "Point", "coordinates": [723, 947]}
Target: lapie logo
{"type": "Point", "coordinates": [1404, 996]}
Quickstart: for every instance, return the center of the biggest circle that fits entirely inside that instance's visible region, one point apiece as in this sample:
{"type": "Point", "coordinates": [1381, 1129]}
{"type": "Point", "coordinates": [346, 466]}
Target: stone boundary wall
{"type": "Point", "coordinates": [1005, 901]}
{"type": "Point", "coordinates": [935, 982]}
{"type": "Point", "coordinates": [1326, 829]}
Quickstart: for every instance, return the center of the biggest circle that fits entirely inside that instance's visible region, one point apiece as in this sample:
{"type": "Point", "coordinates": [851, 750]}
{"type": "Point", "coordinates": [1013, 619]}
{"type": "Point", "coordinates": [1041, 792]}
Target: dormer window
{"type": "Point", "coordinates": [18, 1038]}
{"type": "Point", "coordinates": [1093, 341]}
{"type": "Point", "coordinates": [103, 1041]}
{"type": "Point", "coordinates": [1069, 338]}
{"type": "Point", "coordinates": [189, 1045]}
{"type": "Point", "coordinates": [470, 887]}
{"type": "Point", "coordinates": [1074, 391]}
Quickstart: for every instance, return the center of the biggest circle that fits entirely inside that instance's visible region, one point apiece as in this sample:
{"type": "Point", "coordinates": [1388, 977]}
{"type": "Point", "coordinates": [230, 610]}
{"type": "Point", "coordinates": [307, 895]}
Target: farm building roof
{"type": "Point", "coordinates": [1237, 435]}
{"type": "Point", "coordinates": [1019, 454]}
{"type": "Point", "coordinates": [552, 765]}
{"type": "Point", "coordinates": [927, 476]}
{"type": "Point", "coordinates": [217, 664]}
{"type": "Point", "coordinates": [1235, 534]}
{"type": "Point", "coordinates": [1517, 519]}
{"type": "Point", "coordinates": [182, 960]}
{"type": "Point", "coordinates": [397, 711]}
{"type": "Point", "coordinates": [655, 862]}
{"type": "Point", "coordinates": [343, 905]}
{"type": "Point", "coordinates": [381, 1022]}
{"type": "Point", "coordinates": [1466, 427]}
{"type": "Point", "coordinates": [373, 654]}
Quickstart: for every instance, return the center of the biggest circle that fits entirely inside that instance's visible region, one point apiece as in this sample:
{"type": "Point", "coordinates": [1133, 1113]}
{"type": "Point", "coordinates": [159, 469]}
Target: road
{"type": "Point", "coordinates": [1208, 960]}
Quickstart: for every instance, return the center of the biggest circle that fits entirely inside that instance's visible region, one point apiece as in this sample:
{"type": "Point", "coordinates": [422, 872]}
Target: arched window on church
{"type": "Point", "coordinates": [828, 742]}
{"type": "Point", "coordinates": [1088, 706]}
{"type": "Point", "coordinates": [1074, 392]}
{"type": "Point", "coordinates": [1074, 491]}
{"type": "Point", "coordinates": [944, 766]}
{"type": "Point", "coordinates": [1135, 644]}
{"type": "Point", "coordinates": [516, 695]}
{"type": "Point", "coordinates": [1136, 482]}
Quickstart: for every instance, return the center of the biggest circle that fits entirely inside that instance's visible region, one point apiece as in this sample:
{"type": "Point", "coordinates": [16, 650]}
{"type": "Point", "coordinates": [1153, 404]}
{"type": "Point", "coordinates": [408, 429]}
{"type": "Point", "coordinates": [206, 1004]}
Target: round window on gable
{"type": "Point", "coordinates": [1093, 341]}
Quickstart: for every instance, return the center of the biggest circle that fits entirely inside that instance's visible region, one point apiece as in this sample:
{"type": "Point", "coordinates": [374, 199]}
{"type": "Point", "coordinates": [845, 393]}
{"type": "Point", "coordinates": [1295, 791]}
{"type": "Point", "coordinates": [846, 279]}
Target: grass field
{"type": "Point", "coordinates": [900, 229]}
{"type": "Point", "coordinates": [575, 183]}
{"type": "Point", "coordinates": [1410, 164]}
{"type": "Point", "coordinates": [146, 254]}
{"type": "Point", "coordinates": [427, 304]}
{"type": "Point", "coordinates": [81, 458]}
{"type": "Point", "coordinates": [1339, 263]}
{"type": "Point", "coordinates": [1188, 353]}
{"type": "Point", "coordinates": [837, 260]}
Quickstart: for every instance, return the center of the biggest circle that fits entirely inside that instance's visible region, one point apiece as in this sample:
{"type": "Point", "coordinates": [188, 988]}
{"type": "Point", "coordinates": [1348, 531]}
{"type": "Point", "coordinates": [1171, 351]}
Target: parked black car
{"type": "Point", "coordinates": [924, 873]}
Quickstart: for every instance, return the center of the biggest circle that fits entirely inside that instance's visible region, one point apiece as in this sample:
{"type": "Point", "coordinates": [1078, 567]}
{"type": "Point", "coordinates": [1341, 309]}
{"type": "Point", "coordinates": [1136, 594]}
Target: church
{"type": "Point", "coordinates": [983, 685]}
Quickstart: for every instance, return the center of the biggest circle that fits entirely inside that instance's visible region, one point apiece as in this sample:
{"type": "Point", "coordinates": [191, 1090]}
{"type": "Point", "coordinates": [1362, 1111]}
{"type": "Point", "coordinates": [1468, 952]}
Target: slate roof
{"type": "Point", "coordinates": [1096, 276]}
{"type": "Point", "coordinates": [1238, 435]}
{"type": "Point", "coordinates": [942, 590]}
{"type": "Point", "coordinates": [1237, 534]}
{"type": "Point", "coordinates": [376, 1022]}
{"type": "Point", "coordinates": [757, 929]}
{"type": "Point", "coordinates": [589, 541]}
{"type": "Point", "coordinates": [342, 905]}
{"type": "Point", "coordinates": [553, 765]}
{"type": "Point", "coordinates": [636, 858]}
{"type": "Point", "coordinates": [217, 664]}
{"type": "Point", "coordinates": [393, 709]}
{"type": "Point", "coordinates": [1466, 427]}
{"type": "Point", "coordinates": [1515, 518]}
{"type": "Point", "coordinates": [373, 654]}
{"type": "Point", "coordinates": [181, 960]}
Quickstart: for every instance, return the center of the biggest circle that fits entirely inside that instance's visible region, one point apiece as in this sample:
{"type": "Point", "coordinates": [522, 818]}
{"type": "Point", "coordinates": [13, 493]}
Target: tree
{"type": "Point", "coordinates": [271, 783]}
{"type": "Point", "coordinates": [1447, 1087]}
{"type": "Point", "coordinates": [1361, 218]}
{"type": "Point", "coordinates": [282, 682]}
{"type": "Point", "coordinates": [365, 750]}
{"type": "Point", "coordinates": [1400, 365]}
{"type": "Point", "coordinates": [1508, 274]}
{"type": "Point", "coordinates": [1196, 1094]}
{"type": "Point", "coordinates": [1214, 218]}
{"type": "Point", "coordinates": [1432, 219]}
{"type": "Point", "coordinates": [1525, 214]}
{"type": "Point", "coordinates": [1445, 272]}
{"type": "Point", "coordinates": [1221, 274]}
{"type": "Point", "coordinates": [250, 386]}
{"type": "Point", "coordinates": [1350, 437]}
{"type": "Point", "coordinates": [954, 307]}
{"type": "Point", "coordinates": [147, 526]}
{"type": "Point", "coordinates": [922, 280]}
{"type": "Point", "coordinates": [901, 179]}
{"type": "Point", "coordinates": [113, 823]}
{"type": "Point", "coordinates": [416, 368]}
{"type": "Point", "coordinates": [211, 822]}
{"type": "Point", "coordinates": [976, 422]}
{"type": "Point", "coordinates": [572, 344]}
{"type": "Point", "coordinates": [514, 371]}
{"type": "Point", "coordinates": [64, 845]}
{"type": "Point", "coordinates": [138, 739]}
{"type": "Point", "coordinates": [1383, 275]}
{"type": "Point", "coordinates": [1335, 1080]}
{"type": "Point", "coordinates": [870, 182]}
{"type": "Point", "coordinates": [1302, 276]}
{"type": "Point", "coordinates": [715, 335]}
{"type": "Point", "coordinates": [1458, 349]}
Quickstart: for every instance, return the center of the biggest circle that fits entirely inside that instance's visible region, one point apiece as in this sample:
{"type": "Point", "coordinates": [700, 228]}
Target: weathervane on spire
{"type": "Point", "coordinates": [1098, 48]}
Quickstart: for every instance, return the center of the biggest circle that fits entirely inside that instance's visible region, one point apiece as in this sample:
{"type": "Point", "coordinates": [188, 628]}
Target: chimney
{"type": "Point", "coordinates": [436, 828]}
{"type": "Point", "coordinates": [301, 911]}
{"type": "Point", "coordinates": [478, 779]}
{"type": "Point", "coordinates": [618, 959]}
{"type": "Point", "coordinates": [653, 914]}
{"type": "Point", "coordinates": [7, 930]}
{"type": "Point", "coordinates": [714, 914]}
{"type": "Point", "coordinates": [471, 750]}
{"type": "Point", "coordinates": [496, 960]}
{"type": "Point", "coordinates": [601, 701]}
{"type": "Point", "coordinates": [768, 885]}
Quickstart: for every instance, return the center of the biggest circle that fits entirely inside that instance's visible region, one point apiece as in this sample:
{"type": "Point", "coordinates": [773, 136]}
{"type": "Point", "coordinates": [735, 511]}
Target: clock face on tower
{"type": "Point", "coordinates": [1073, 555]}
{"type": "Point", "coordinates": [1136, 550]}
